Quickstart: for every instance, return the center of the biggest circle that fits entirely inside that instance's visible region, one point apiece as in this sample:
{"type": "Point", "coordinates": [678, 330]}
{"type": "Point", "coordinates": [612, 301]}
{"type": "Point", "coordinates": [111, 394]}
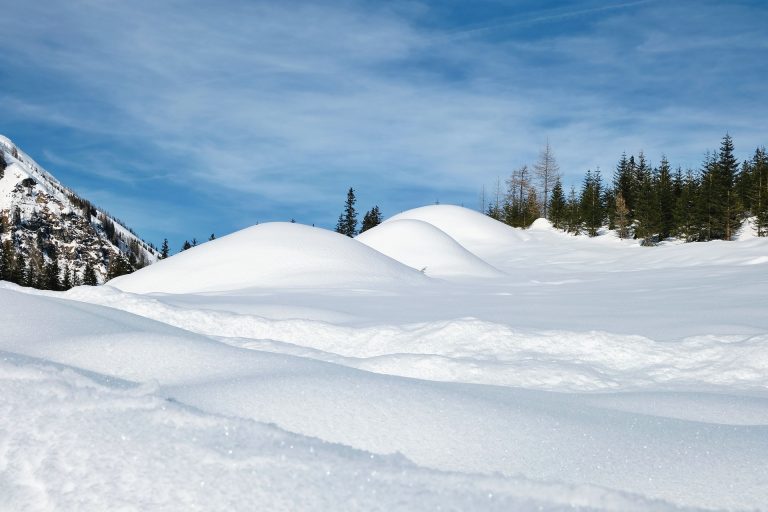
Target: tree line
{"type": "Point", "coordinates": [641, 201]}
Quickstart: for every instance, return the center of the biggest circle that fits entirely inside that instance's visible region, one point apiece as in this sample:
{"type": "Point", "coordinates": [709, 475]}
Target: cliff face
{"type": "Point", "coordinates": [51, 226]}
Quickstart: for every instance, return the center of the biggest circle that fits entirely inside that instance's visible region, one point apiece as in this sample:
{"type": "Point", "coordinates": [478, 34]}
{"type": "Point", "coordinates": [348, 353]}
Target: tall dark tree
{"type": "Point", "coordinates": [759, 191]}
{"type": "Point", "coordinates": [371, 219]}
{"type": "Point", "coordinates": [51, 279]}
{"type": "Point", "coordinates": [118, 266]}
{"type": "Point", "coordinates": [347, 224]}
{"type": "Point", "coordinates": [592, 210]}
{"type": "Point", "coordinates": [687, 224]}
{"type": "Point", "coordinates": [665, 195]}
{"type": "Point", "coordinates": [557, 206]}
{"type": "Point", "coordinates": [728, 170]}
{"type": "Point", "coordinates": [164, 250]}
{"type": "Point", "coordinates": [89, 275]}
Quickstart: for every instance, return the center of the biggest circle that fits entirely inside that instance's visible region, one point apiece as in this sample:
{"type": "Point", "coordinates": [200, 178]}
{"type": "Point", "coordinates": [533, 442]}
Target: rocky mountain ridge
{"type": "Point", "coordinates": [50, 236]}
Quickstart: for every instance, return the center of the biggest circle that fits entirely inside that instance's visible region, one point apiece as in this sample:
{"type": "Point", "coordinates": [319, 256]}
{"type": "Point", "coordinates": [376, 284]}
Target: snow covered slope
{"type": "Point", "coordinates": [593, 373]}
{"type": "Point", "coordinates": [421, 245]}
{"type": "Point", "coordinates": [272, 254]}
{"type": "Point", "coordinates": [477, 232]}
{"type": "Point", "coordinates": [95, 415]}
{"type": "Point", "coordinates": [45, 220]}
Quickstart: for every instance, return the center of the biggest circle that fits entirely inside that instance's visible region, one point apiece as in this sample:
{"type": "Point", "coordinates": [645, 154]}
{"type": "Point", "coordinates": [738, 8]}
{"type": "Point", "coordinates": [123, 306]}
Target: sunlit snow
{"type": "Point", "coordinates": [441, 360]}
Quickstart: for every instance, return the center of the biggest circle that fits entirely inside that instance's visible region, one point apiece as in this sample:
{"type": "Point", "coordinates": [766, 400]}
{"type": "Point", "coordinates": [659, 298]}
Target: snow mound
{"type": "Point", "coordinates": [541, 224]}
{"type": "Point", "coordinates": [421, 245]}
{"type": "Point", "coordinates": [475, 231]}
{"type": "Point", "coordinates": [278, 255]}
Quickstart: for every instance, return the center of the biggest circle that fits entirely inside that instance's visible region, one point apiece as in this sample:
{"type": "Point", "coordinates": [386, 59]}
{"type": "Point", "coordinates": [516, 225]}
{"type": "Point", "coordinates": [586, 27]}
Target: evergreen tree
{"type": "Point", "coordinates": [51, 276]}
{"type": "Point", "coordinates": [118, 266]}
{"type": "Point", "coordinates": [7, 260]}
{"type": "Point", "coordinates": [66, 281]}
{"type": "Point", "coordinates": [728, 170]}
{"type": "Point", "coordinates": [19, 275]}
{"type": "Point", "coordinates": [213, 237]}
{"type": "Point", "coordinates": [591, 202]}
{"type": "Point", "coordinates": [194, 242]}
{"type": "Point", "coordinates": [759, 191]}
{"type": "Point", "coordinates": [89, 275]}
{"type": "Point", "coordinates": [687, 226]}
{"type": "Point", "coordinates": [371, 219]}
{"type": "Point", "coordinates": [646, 203]}
{"type": "Point", "coordinates": [573, 212]}
{"type": "Point", "coordinates": [186, 245]}
{"type": "Point", "coordinates": [532, 210]}
{"type": "Point", "coordinates": [557, 206]}
{"type": "Point", "coordinates": [164, 250]}
{"type": "Point", "coordinates": [665, 195]}
{"type": "Point", "coordinates": [347, 224]}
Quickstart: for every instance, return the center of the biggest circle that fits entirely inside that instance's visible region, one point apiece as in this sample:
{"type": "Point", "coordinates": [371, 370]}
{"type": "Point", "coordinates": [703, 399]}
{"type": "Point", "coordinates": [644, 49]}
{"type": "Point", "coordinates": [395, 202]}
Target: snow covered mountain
{"type": "Point", "coordinates": [50, 226]}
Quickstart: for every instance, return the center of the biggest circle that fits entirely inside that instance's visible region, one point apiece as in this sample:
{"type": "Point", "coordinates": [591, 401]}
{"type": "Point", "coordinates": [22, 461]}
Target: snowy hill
{"type": "Point", "coordinates": [273, 254]}
{"type": "Point", "coordinates": [45, 221]}
{"type": "Point", "coordinates": [421, 245]}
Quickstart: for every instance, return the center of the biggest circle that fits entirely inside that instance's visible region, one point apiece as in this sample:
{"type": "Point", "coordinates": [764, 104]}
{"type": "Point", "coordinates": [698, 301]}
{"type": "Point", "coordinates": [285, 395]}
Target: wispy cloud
{"type": "Point", "coordinates": [275, 108]}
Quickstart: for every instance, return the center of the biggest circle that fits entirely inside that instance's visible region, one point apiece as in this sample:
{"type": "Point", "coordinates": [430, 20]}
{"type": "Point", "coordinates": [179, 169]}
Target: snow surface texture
{"type": "Point", "coordinates": [587, 373]}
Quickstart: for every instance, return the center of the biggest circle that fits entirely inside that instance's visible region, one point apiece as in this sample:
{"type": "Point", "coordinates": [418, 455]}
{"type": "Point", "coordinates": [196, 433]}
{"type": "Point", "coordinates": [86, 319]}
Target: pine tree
{"type": "Point", "coordinates": [665, 196]}
{"type": "Point", "coordinates": [573, 212]}
{"type": "Point", "coordinates": [591, 202]}
{"type": "Point", "coordinates": [212, 237]}
{"type": "Point", "coordinates": [20, 275]}
{"type": "Point", "coordinates": [118, 266]}
{"type": "Point", "coordinates": [164, 250]}
{"type": "Point", "coordinates": [759, 191]}
{"type": "Point", "coordinates": [66, 282]}
{"type": "Point", "coordinates": [186, 245]}
{"type": "Point", "coordinates": [728, 170]}
{"type": "Point", "coordinates": [371, 219]}
{"type": "Point", "coordinates": [686, 209]}
{"type": "Point", "coordinates": [51, 276]}
{"type": "Point", "coordinates": [347, 224]}
{"type": "Point", "coordinates": [194, 242]}
{"type": "Point", "coordinates": [89, 275]}
{"type": "Point", "coordinates": [557, 206]}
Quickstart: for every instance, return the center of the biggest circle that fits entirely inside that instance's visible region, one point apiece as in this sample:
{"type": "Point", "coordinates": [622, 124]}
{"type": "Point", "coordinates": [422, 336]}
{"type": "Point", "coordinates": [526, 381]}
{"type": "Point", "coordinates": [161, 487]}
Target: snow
{"type": "Point", "coordinates": [422, 246]}
{"type": "Point", "coordinates": [273, 254]}
{"type": "Point", "coordinates": [304, 370]}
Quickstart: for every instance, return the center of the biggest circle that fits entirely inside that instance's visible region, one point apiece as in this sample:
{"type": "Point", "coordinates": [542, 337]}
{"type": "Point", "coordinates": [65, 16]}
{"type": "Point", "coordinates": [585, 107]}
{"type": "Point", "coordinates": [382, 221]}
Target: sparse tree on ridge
{"type": "Point", "coordinates": [186, 245]}
{"type": "Point", "coordinates": [347, 223]}
{"type": "Point", "coordinates": [547, 172]}
{"type": "Point", "coordinates": [164, 250]}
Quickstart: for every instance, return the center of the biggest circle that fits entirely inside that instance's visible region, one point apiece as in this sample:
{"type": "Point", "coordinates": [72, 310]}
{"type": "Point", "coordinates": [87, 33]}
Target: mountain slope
{"type": "Point", "coordinates": [50, 227]}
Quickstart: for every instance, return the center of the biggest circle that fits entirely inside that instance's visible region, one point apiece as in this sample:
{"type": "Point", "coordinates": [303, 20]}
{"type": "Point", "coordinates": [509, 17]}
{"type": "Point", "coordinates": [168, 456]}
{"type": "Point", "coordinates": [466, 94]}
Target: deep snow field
{"type": "Point", "coordinates": [441, 361]}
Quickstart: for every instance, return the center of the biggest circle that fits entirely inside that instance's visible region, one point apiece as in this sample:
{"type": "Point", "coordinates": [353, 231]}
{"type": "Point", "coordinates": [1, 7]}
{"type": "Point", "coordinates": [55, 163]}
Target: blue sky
{"type": "Point", "coordinates": [187, 117]}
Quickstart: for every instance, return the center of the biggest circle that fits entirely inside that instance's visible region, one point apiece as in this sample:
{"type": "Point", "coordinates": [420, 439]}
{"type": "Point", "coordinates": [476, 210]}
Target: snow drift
{"type": "Point", "coordinates": [421, 245]}
{"type": "Point", "coordinates": [277, 254]}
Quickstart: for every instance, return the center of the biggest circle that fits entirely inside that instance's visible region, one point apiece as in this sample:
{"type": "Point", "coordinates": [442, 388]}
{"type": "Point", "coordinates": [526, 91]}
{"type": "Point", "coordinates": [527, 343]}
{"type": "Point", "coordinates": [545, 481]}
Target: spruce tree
{"type": "Point", "coordinates": [371, 219]}
{"type": "Point", "coordinates": [573, 212]}
{"type": "Point", "coordinates": [557, 206]}
{"type": "Point", "coordinates": [164, 250]}
{"type": "Point", "coordinates": [347, 224]}
{"type": "Point", "coordinates": [89, 275]}
{"type": "Point", "coordinates": [728, 170]}
{"type": "Point", "coordinates": [20, 275]}
{"type": "Point", "coordinates": [186, 245]}
{"type": "Point", "coordinates": [591, 202]}
{"type": "Point", "coordinates": [212, 237]}
{"type": "Point", "coordinates": [118, 266]}
{"type": "Point", "coordinates": [759, 191]}
{"type": "Point", "coordinates": [51, 279]}
{"type": "Point", "coordinates": [665, 196]}
{"type": "Point", "coordinates": [66, 281]}
{"type": "Point", "coordinates": [686, 209]}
